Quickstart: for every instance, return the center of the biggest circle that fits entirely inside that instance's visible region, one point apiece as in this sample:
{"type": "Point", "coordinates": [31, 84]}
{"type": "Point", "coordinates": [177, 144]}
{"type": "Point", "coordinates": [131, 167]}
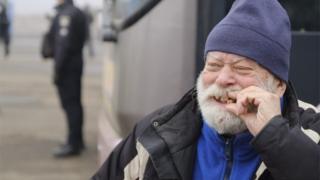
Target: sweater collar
{"type": "Point", "coordinates": [240, 142]}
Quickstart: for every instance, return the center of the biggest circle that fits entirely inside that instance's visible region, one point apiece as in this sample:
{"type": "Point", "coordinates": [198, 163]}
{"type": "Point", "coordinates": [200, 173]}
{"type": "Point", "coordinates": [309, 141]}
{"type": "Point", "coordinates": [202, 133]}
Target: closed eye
{"type": "Point", "coordinates": [243, 69]}
{"type": "Point", "coordinates": [214, 66]}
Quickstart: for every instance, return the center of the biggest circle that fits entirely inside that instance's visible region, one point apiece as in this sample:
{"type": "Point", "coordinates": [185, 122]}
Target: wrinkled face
{"type": "Point", "coordinates": [224, 72]}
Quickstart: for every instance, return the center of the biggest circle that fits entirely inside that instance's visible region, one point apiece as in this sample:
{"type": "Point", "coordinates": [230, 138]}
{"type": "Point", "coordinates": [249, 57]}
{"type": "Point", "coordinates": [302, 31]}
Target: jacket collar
{"type": "Point", "coordinates": [171, 138]}
{"type": "Point", "coordinates": [291, 107]}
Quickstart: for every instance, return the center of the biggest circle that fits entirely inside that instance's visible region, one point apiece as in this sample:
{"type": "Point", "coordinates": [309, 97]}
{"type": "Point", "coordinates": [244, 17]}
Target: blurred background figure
{"type": "Point", "coordinates": [5, 25]}
{"type": "Point", "coordinates": [89, 18]}
{"type": "Point", "coordinates": [32, 122]}
{"type": "Point", "coordinates": [68, 35]}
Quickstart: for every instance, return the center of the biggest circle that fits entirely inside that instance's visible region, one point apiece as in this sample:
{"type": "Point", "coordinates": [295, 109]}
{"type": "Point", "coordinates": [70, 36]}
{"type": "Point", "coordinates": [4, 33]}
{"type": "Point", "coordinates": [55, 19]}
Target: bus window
{"type": "Point", "coordinates": [126, 12]}
{"type": "Point", "coordinates": [304, 14]}
{"type": "Point", "coordinates": [121, 14]}
{"type": "Point", "coordinates": [125, 8]}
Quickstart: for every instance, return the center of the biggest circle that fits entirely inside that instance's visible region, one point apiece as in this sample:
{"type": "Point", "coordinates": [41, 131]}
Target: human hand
{"type": "Point", "coordinates": [255, 106]}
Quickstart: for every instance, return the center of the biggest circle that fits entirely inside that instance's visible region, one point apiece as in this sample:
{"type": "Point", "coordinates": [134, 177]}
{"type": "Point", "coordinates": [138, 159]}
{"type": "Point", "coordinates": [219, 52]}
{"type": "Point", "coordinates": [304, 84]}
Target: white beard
{"type": "Point", "coordinates": [223, 121]}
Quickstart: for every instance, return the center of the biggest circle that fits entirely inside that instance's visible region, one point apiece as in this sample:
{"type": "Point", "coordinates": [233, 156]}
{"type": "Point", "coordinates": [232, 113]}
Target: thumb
{"type": "Point", "coordinates": [232, 108]}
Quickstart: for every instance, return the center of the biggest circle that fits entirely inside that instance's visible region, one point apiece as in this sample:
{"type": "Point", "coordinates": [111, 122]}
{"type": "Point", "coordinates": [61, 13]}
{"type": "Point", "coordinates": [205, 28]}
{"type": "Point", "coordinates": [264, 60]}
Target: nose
{"type": "Point", "coordinates": [225, 77]}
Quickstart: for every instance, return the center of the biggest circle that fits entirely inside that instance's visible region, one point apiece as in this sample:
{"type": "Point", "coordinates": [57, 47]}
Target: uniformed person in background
{"type": "Point", "coordinates": [68, 34]}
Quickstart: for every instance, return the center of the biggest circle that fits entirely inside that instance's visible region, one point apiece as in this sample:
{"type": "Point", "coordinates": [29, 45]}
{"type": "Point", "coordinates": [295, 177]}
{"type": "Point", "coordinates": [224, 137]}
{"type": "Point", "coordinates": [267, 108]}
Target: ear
{"type": "Point", "coordinates": [281, 87]}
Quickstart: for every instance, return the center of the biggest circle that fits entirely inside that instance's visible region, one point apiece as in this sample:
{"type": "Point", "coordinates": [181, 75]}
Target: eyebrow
{"type": "Point", "coordinates": [235, 62]}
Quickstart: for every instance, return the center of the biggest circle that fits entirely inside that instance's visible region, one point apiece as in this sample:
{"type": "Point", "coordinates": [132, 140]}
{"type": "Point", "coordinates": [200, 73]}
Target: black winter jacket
{"type": "Point", "coordinates": [68, 34]}
{"type": "Point", "coordinates": [163, 145]}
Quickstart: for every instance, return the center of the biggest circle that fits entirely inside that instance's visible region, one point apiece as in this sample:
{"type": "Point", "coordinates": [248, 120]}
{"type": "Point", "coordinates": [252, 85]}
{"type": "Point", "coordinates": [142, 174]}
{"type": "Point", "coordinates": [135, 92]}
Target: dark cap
{"type": "Point", "coordinates": [256, 29]}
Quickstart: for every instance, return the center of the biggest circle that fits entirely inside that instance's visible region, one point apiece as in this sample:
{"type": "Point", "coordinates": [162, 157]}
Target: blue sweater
{"type": "Point", "coordinates": [224, 158]}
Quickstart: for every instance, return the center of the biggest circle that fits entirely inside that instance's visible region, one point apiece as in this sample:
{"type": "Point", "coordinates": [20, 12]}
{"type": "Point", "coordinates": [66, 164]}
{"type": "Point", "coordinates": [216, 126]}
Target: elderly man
{"type": "Point", "coordinates": [242, 122]}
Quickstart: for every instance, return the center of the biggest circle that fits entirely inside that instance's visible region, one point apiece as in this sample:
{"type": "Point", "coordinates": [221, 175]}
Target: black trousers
{"type": "Point", "coordinates": [69, 91]}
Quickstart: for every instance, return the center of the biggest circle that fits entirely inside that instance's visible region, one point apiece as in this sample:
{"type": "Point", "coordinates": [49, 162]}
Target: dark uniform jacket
{"type": "Point", "coordinates": [68, 34]}
{"type": "Point", "coordinates": [164, 144]}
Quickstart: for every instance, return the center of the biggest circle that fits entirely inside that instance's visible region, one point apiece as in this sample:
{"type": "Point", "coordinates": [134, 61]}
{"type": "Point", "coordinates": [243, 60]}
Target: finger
{"type": "Point", "coordinates": [248, 104]}
{"type": "Point", "coordinates": [241, 103]}
{"type": "Point", "coordinates": [233, 108]}
{"type": "Point", "coordinates": [246, 99]}
{"type": "Point", "coordinates": [251, 89]}
{"type": "Point", "coordinates": [253, 97]}
{"type": "Point", "coordinates": [253, 93]}
{"type": "Point", "coordinates": [256, 101]}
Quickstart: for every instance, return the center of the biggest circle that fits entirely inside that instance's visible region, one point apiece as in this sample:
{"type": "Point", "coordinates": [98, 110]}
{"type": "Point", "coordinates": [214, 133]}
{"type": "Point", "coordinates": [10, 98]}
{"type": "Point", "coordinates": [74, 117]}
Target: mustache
{"type": "Point", "coordinates": [218, 91]}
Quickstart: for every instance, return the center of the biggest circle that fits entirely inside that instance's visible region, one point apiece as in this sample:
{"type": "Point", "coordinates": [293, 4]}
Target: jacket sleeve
{"type": "Point", "coordinates": [113, 167]}
{"type": "Point", "coordinates": [49, 38]}
{"type": "Point", "coordinates": [290, 153]}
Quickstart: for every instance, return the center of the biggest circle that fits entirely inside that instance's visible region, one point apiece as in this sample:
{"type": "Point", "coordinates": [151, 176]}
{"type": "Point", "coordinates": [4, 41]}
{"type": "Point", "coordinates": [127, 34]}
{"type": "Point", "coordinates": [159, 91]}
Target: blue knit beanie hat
{"type": "Point", "coordinates": [256, 29]}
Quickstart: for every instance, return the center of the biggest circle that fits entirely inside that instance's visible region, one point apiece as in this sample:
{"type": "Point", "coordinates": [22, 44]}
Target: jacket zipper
{"type": "Point", "coordinates": [229, 155]}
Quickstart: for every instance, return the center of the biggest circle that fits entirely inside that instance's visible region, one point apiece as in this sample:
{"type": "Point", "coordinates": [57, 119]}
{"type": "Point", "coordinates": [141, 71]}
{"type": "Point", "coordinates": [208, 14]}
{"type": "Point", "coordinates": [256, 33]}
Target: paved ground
{"type": "Point", "coordinates": [31, 121]}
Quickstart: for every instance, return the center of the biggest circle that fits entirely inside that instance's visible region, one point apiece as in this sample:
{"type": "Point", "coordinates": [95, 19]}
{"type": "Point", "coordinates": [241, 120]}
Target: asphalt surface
{"type": "Point", "coordinates": [32, 123]}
